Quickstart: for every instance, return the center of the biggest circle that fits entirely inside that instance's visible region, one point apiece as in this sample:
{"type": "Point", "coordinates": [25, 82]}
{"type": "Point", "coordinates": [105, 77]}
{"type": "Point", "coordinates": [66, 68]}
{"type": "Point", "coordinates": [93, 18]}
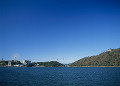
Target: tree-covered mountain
{"type": "Point", "coordinates": [108, 58]}
{"type": "Point", "coordinates": [48, 64]}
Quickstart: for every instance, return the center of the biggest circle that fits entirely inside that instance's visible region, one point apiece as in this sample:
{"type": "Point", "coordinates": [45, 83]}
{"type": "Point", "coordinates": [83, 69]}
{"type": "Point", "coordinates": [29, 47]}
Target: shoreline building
{"type": "Point", "coordinates": [9, 63]}
{"type": "Point", "coordinates": [26, 62]}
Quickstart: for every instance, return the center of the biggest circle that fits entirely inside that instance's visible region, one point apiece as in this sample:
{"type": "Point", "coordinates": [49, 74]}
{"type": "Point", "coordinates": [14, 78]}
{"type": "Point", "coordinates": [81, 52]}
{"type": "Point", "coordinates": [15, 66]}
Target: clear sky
{"type": "Point", "coordinates": [62, 30]}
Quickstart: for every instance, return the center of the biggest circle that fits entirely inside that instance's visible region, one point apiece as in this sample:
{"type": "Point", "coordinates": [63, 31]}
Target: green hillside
{"type": "Point", "coordinates": [48, 64]}
{"type": "Point", "coordinates": [108, 58]}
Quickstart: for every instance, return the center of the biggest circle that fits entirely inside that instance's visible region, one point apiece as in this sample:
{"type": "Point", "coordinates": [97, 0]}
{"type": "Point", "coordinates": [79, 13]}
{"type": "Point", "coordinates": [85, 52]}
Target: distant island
{"type": "Point", "coordinates": [48, 64]}
{"type": "Point", "coordinates": [108, 58]}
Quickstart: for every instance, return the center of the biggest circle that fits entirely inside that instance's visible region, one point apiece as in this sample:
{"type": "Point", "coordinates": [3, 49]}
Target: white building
{"type": "Point", "coordinates": [9, 63]}
{"type": "Point", "coordinates": [109, 49]}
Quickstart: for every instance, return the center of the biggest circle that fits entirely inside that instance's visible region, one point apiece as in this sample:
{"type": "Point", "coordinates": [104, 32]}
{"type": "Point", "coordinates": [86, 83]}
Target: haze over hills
{"type": "Point", "coordinates": [108, 58]}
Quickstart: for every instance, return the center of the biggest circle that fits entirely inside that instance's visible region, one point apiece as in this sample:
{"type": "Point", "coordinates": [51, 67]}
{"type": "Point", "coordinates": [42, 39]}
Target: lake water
{"type": "Point", "coordinates": [60, 76]}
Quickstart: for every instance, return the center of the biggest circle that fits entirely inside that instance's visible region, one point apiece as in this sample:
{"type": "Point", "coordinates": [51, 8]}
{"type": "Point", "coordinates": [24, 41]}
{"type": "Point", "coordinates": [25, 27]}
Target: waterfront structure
{"type": "Point", "coordinates": [26, 62]}
{"type": "Point", "coordinates": [9, 63]}
{"type": "Point", "coordinates": [19, 65]}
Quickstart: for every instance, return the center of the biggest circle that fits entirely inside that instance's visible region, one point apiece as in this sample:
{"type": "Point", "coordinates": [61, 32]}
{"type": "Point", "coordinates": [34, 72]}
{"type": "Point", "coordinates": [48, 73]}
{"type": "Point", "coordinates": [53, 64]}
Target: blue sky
{"type": "Point", "coordinates": [67, 30]}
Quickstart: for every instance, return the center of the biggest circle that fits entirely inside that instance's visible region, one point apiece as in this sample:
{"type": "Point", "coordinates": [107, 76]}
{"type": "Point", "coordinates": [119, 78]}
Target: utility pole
{"type": "Point", "coordinates": [2, 59]}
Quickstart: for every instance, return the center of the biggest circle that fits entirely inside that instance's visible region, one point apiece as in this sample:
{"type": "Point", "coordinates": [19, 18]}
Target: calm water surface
{"type": "Point", "coordinates": [60, 76]}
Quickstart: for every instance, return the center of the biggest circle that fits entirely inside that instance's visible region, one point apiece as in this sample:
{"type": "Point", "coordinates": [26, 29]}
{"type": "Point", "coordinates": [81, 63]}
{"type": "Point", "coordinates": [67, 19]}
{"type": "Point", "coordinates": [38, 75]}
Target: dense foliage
{"type": "Point", "coordinates": [108, 58]}
{"type": "Point", "coordinates": [4, 63]}
{"type": "Point", "coordinates": [48, 64]}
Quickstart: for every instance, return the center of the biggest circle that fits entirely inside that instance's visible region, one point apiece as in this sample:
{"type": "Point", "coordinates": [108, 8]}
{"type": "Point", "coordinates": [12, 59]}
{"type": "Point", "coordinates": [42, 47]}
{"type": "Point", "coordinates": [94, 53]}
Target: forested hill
{"type": "Point", "coordinates": [48, 64]}
{"type": "Point", "coordinates": [108, 58]}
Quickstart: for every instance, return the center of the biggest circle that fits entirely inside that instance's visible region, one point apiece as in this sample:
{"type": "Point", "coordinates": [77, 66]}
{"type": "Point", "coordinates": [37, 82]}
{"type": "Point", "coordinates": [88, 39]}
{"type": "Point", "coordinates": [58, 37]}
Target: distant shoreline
{"type": "Point", "coordinates": [96, 66]}
{"type": "Point", "coordinates": [82, 66]}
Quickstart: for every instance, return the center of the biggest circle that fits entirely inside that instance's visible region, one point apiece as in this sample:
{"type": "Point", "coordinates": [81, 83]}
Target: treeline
{"type": "Point", "coordinates": [4, 63]}
{"type": "Point", "coordinates": [108, 58]}
{"type": "Point", "coordinates": [48, 64]}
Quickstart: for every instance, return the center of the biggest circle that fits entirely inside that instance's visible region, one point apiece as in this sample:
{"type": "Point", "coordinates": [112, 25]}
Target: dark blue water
{"type": "Point", "coordinates": [60, 76]}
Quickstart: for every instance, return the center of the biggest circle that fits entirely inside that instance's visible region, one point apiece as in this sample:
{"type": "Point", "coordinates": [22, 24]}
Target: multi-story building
{"type": "Point", "coordinates": [26, 62]}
